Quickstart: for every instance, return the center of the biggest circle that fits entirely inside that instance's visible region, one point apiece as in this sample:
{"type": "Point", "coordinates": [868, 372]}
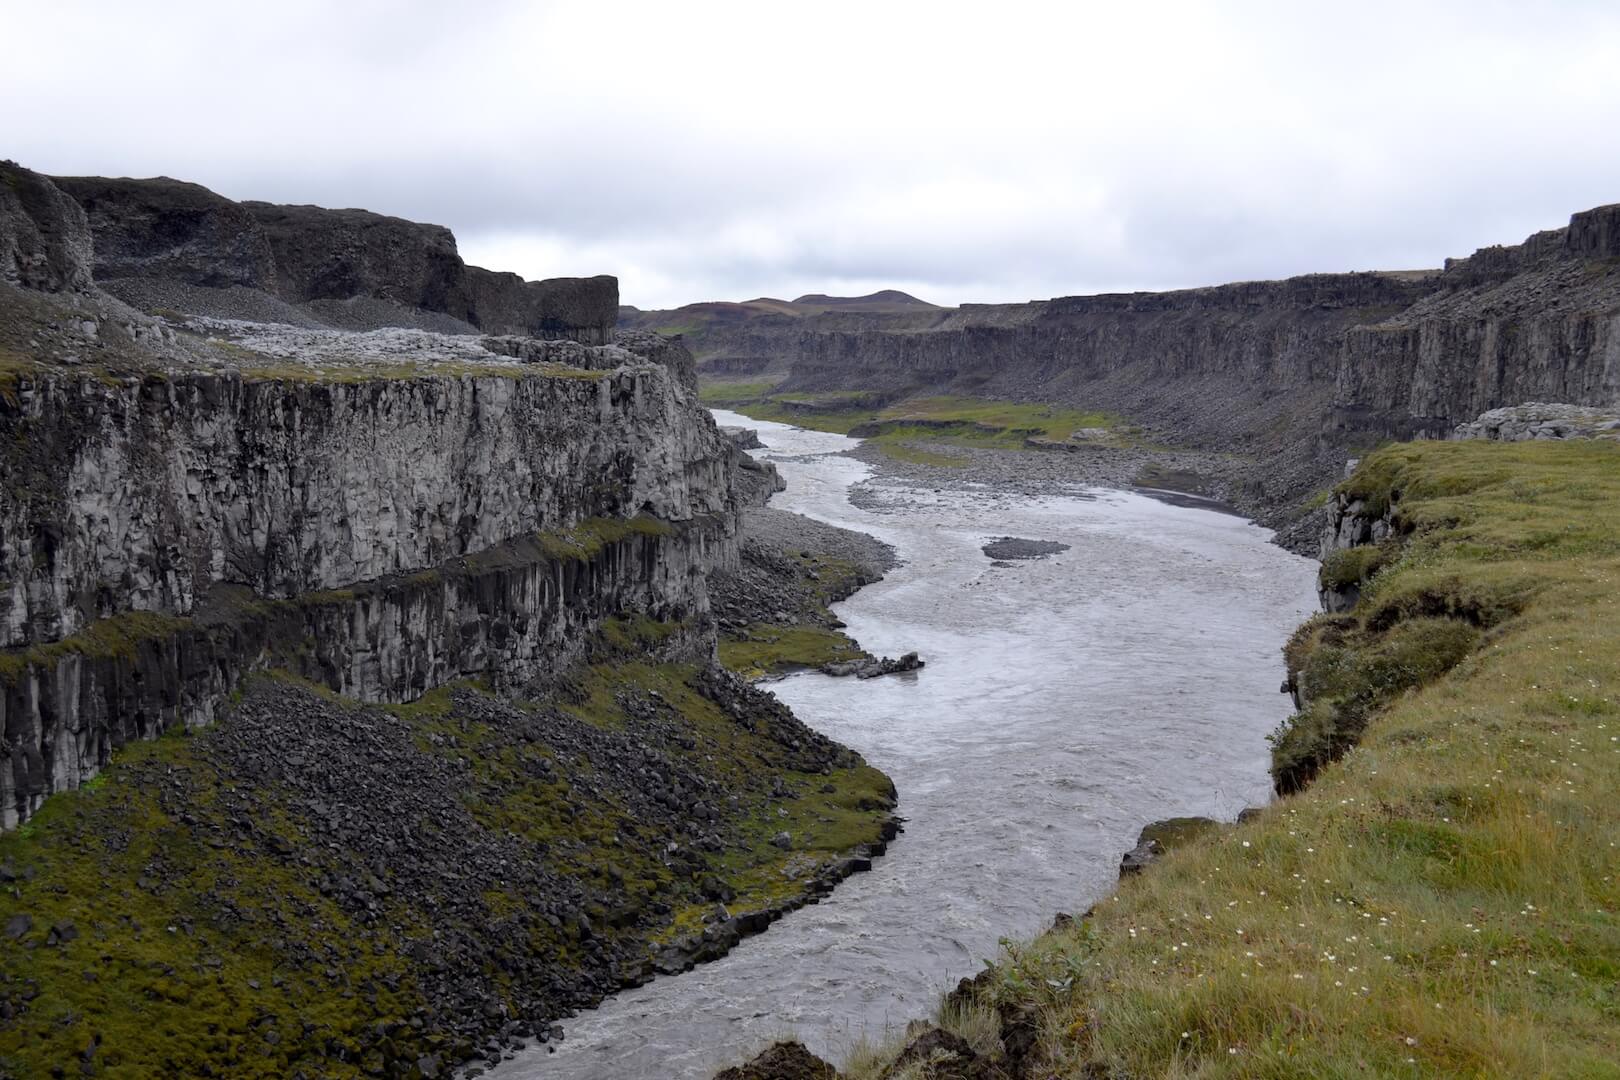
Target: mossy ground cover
{"type": "Point", "coordinates": [810, 636]}
{"type": "Point", "coordinates": [910, 430]}
{"type": "Point", "coordinates": [724, 393]}
{"type": "Point", "coordinates": [1444, 898]}
{"type": "Point", "coordinates": [161, 969]}
{"type": "Point", "coordinates": [319, 885]}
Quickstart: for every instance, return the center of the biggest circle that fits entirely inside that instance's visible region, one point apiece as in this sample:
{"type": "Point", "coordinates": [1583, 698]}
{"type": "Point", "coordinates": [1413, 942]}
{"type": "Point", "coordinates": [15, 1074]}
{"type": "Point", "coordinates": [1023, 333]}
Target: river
{"type": "Point", "coordinates": [1066, 702]}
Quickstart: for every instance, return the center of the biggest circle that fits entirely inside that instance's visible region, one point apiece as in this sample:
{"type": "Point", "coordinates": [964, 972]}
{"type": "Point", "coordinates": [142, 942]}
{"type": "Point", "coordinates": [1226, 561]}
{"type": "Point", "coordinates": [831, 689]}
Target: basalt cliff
{"type": "Point", "coordinates": [1294, 374]}
{"type": "Point", "coordinates": [359, 709]}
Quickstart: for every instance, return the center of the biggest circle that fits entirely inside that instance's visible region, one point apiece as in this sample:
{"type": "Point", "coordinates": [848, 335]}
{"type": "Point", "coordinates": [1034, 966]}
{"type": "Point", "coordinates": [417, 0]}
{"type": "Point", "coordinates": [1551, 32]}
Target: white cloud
{"type": "Point", "coordinates": [962, 151]}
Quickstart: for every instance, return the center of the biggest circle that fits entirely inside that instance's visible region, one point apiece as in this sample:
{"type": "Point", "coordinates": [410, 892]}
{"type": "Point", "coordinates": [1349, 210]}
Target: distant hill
{"type": "Point", "coordinates": [708, 314]}
{"type": "Point", "coordinates": [884, 300]}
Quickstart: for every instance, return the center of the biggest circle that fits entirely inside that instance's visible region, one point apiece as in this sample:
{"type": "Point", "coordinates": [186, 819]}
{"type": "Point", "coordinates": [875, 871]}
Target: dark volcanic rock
{"type": "Point", "coordinates": [45, 239]}
{"type": "Point", "coordinates": [1159, 837]}
{"type": "Point", "coordinates": [352, 269]}
{"type": "Point", "coordinates": [173, 230]}
{"type": "Point", "coordinates": [323, 254]}
{"type": "Point", "coordinates": [1011, 547]}
{"type": "Point", "coordinates": [872, 669]}
{"type": "Point", "coordinates": [784, 1061]}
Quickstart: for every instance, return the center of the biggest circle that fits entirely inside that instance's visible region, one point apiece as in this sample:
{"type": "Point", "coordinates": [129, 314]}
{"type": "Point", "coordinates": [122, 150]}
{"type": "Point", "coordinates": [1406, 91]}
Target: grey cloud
{"type": "Point", "coordinates": [725, 151]}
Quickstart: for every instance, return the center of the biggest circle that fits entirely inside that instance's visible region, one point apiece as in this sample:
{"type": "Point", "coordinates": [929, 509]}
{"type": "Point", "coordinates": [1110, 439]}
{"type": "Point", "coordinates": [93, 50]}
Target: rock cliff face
{"type": "Point", "coordinates": [1536, 322]}
{"type": "Point", "coordinates": [163, 537]}
{"type": "Point", "coordinates": [180, 512]}
{"type": "Point", "coordinates": [143, 494]}
{"type": "Point", "coordinates": [348, 268]}
{"type": "Point", "coordinates": [169, 229]}
{"type": "Point", "coordinates": [44, 236]}
{"type": "Point", "coordinates": [1302, 371]}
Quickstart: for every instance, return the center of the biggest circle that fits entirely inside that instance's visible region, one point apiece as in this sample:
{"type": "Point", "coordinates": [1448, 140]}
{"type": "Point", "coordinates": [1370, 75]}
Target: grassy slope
{"type": "Point", "coordinates": [1443, 899]}
{"type": "Point", "coordinates": [193, 957]}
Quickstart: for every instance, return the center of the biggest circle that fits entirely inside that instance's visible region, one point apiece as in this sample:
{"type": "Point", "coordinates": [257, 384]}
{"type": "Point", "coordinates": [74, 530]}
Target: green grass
{"type": "Point", "coordinates": [901, 448]}
{"type": "Point", "coordinates": [722, 393]}
{"type": "Point", "coordinates": [960, 421]}
{"type": "Point", "coordinates": [997, 423]}
{"type": "Point", "coordinates": [118, 635]}
{"type": "Point", "coordinates": [771, 649]}
{"type": "Point", "coordinates": [163, 976]}
{"type": "Point", "coordinates": [1444, 898]}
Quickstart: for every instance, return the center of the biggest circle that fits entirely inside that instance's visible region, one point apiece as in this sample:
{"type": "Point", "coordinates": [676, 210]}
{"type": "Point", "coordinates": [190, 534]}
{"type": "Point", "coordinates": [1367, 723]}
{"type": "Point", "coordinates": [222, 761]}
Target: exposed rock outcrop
{"type": "Point", "coordinates": [875, 668]}
{"type": "Point", "coordinates": [45, 240]}
{"type": "Point", "coordinates": [1159, 837]}
{"type": "Point", "coordinates": [1519, 423]}
{"type": "Point", "coordinates": [171, 229]}
{"type": "Point", "coordinates": [158, 241]}
{"type": "Point", "coordinates": [783, 1061]}
{"type": "Point", "coordinates": [141, 494]}
{"type": "Point", "coordinates": [1293, 375]}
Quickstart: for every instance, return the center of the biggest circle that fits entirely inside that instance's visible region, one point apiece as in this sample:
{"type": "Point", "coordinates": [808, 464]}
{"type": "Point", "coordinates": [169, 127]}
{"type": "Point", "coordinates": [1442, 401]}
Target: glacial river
{"type": "Point", "coordinates": [1067, 701]}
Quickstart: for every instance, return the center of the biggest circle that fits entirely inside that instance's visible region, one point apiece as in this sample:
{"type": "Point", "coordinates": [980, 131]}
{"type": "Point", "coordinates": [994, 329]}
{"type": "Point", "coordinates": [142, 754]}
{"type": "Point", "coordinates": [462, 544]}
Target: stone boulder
{"type": "Point", "coordinates": [874, 668]}
{"type": "Point", "coordinates": [1159, 837]}
{"type": "Point", "coordinates": [784, 1061]}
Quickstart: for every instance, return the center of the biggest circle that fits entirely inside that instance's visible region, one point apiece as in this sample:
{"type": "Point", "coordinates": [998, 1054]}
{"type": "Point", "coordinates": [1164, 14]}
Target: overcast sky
{"type": "Point", "coordinates": [961, 152]}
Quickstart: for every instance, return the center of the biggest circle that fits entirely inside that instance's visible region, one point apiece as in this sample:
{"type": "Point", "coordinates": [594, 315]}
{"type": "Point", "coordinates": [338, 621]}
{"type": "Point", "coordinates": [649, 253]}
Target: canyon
{"type": "Point", "coordinates": [380, 637]}
{"type": "Point", "coordinates": [357, 629]}
{"type": "Point", "coordinates": [1293, 376]}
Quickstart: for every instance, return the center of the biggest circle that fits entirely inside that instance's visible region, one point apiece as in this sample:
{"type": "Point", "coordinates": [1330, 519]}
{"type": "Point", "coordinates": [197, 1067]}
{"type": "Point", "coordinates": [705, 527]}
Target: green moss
{"type": "Point", "coordinates": [962, 421]}
{"type": "Point", "coordinates": [769, 649]}
{"type": "Point", "coordinates": [1173, 833]}
{"type": "Point", "coordinates": [195, 957]}
{"type": "Point", "coordinates": [722, 393]}
{"type": "Point", "coordinates": [901, 449]}
{"type": "Point", "coordinates": [587, 539]}
{"type": "Point", "coordinates": [116, 636]}
{"type": "Point", "coordinates": [176, 975]}
{"type": "Point", "coordinates": [1352, 566]}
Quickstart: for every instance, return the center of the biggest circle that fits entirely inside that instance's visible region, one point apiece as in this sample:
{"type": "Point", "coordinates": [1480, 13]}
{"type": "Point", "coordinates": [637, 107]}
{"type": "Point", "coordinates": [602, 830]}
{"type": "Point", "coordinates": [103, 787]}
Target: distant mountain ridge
{"type": "Point", "coordinates": [691, 318]}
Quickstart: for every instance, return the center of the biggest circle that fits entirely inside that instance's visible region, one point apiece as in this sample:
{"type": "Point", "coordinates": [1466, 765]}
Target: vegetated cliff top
{"type": "Point", "coordinates": [1443, 900]}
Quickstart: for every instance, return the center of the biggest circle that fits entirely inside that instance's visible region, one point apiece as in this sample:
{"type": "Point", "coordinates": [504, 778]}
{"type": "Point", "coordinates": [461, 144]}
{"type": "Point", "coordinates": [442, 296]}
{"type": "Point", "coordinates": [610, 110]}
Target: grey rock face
{"type": "Point", "coordinates": [174, 230]}
{"type": "Point", "coordinates": [352, 269]}
{"type": "Point", "coordinates": [512, 614]}
{"type": "Point", "coordinates": [379, 534]}
{"type": "Point", "coordinates": [1520, 423]}
{"type": "Point", "coordinates": [323, 254]}
{"type": "Point", "coordinates": [1291, 373]}
{"type": "Point", "coordinates": [44, 236]}
{"type": "Point", "coordinates": [142, 495]}
{"type": "Point", "coordinates": [743, 438]}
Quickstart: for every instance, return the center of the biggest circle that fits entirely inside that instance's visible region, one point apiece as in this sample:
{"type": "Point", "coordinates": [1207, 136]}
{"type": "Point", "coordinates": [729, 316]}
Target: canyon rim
{"type": "Point", "coordinates": [870, 544]}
